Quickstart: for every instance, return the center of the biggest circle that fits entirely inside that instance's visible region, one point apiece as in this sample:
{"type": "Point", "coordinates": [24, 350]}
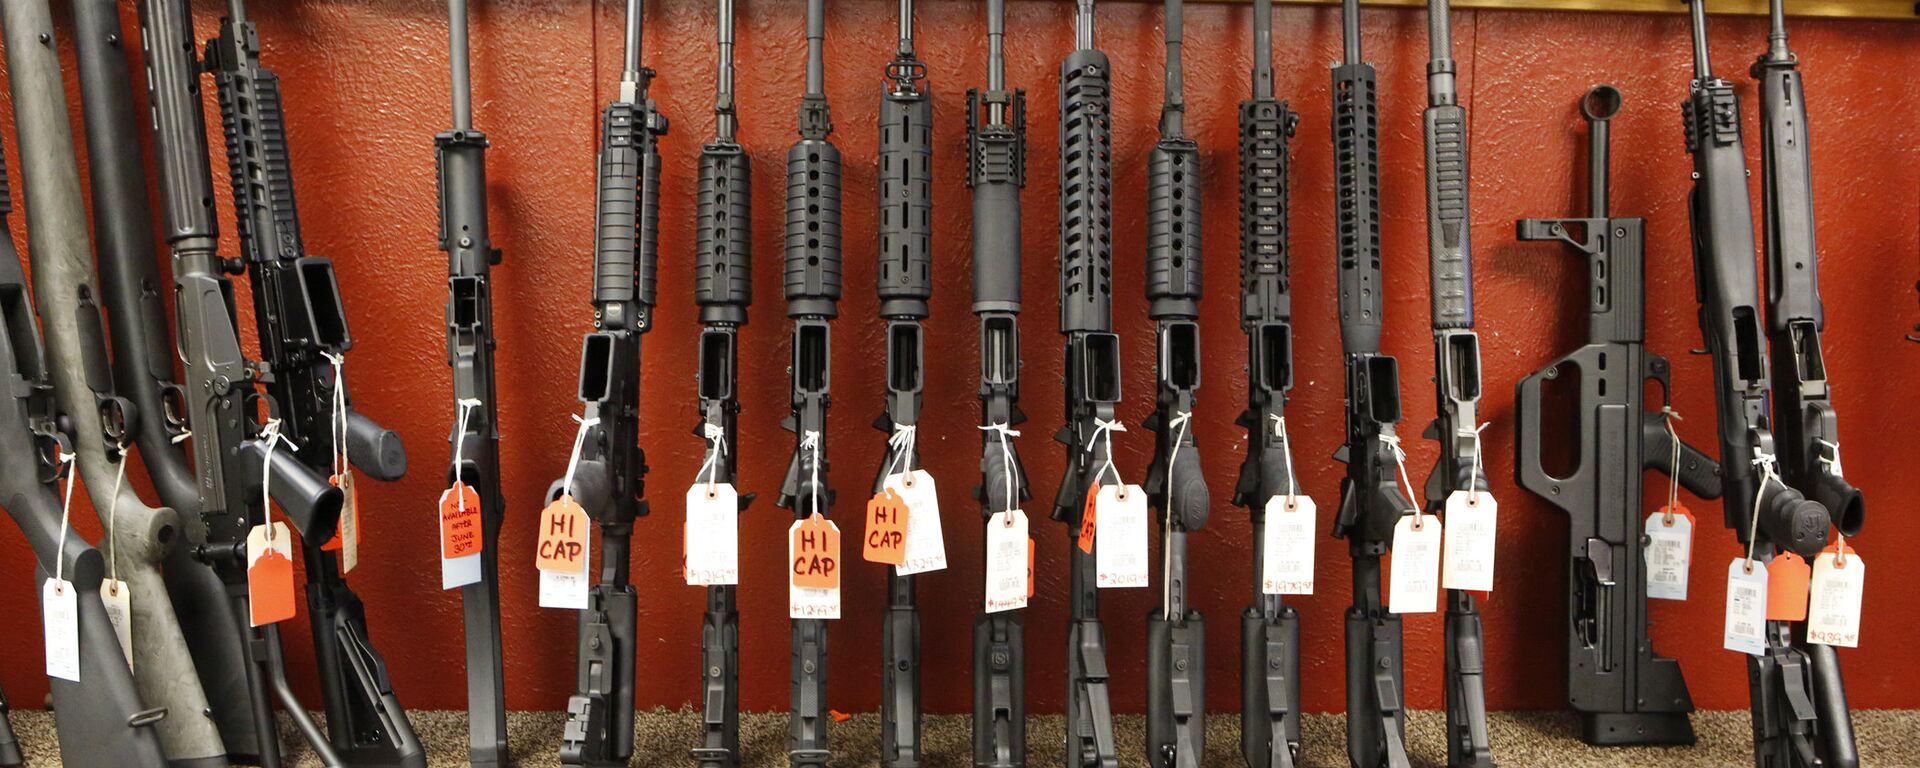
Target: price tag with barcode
{"type": "Point", "coordinates": [1286, 563]}
{"type": "Point", "coordinates": [118, 600]}
{"type": "Point", "coordinates": [1007, 549]}
{"type": "Point", "coordinates": [1669, 553]}
{"type": "Point", "coordinates": [1120, 550]}
{"type": "Point", "coordinates": [1471, 523]}
{"type": "Point", "coordinates": [60, 618]}
{"type": "Point", "coordinates": [1838, 585]}
{"type": "Point", "coordinates": [713, 534]}
{"type": "Point", "coordinates": [1746, 625]}
{"type": "Point", "coordinates": [926, 551]}
{"type": "Point", "coordinates": [1413, 577]}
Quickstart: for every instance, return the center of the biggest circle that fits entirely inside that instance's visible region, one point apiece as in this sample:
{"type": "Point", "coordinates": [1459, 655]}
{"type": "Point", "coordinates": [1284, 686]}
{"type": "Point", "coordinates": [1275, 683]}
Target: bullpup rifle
{"type": "Point", "coordinates": [1625, 693]}
{"type": "Point", "coordinates": [1269, 628]}
{"type": "Point", "coordinates": [997, 170]}
{"type": "Point", "coordinates": [813, 293]}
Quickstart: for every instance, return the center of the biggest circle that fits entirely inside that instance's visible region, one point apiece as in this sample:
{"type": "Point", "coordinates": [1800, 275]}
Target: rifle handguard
{"type": "Point", "coordinates": [813, 229]}
{"type": "Point", "coordinates": [1086, 181]}
{"type": "Point", "coordinates": [1357, 192]}
{"type": "Point", "coordinates": [723, 245]}
{"type": "Point", "coordinates": [906, 204]}
{"type": "Point", "coordinates": [1173, 228]}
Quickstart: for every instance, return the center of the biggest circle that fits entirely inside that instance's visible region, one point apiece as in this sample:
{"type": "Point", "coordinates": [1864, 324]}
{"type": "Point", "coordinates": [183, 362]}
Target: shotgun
{"type": "Point", "coordinates": [1371, 501]}
{"type": "Point", "coordinates": [1092, 372]}
{"type": "Point", "coordinates": [100, 719]}
{"type": "Point", "coordinates": [1807, 429]}
{"type": "Point", "coordinates": [813, 293]}
{"type": "Point", "coordinates": [1269, 628]}
{"type": "Point", "coordinates": [723, 287]}
{"type": "Point", "coordinates": [608, 479]}
{"type": "Point", "coordinates": [461, 159]}
{"type": "Point", "coordinates": [997, 171]}
{"type": "Point", "coordinates": [1459, 476]}
{"type": "Point", "coordinates": [94, 416]}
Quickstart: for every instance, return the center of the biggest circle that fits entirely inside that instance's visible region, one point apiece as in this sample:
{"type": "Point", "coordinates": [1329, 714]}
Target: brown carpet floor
{"type": "Point", "coordinates": [1887, 738]}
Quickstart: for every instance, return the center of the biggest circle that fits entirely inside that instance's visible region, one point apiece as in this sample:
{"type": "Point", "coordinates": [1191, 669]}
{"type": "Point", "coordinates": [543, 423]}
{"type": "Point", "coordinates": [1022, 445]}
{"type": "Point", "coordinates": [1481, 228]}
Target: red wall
{"type": "Point", "coordinates": [366, 89]}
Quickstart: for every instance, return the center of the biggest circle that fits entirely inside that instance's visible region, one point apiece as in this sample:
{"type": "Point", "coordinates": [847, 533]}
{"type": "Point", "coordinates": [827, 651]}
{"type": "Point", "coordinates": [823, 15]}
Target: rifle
{"type": "Point", "coordinates": [812, 291]}
{"type": "Point", "coordinates": [142, 361]}
{"type": "Point", "coordinates": [460, 155]}
{"type": "Point", "coordinates": [1269, 628]}
{"type": "Point", "coordinates": [1625, 693]}
{"type": "Point", "coordinates": [608, 479]}
{"type": "Point", "coordinates": [1371, 502]}
{"type": "Point", "coordinates": [1456, 379]}
{"type": "Point", "coordinates": [304, 338]}
{"type": "Point", "coordinates": [1807, 428]}
{"type": "Point", "coordinates": [93, 415]}
{"type": "Point", "coordinates": [1176, 636]}
{"type": "Point", "coordinates": [229, 446]}
{"type": "Point", "coordinates": [996, 171]}
{"type": "Point", "coordinates": [104, 722]}
{"type": "Point", "coordinates": [723, 287]}
{"type": "Point", "coordinates": [1765, 513]}
{"type": "Point", "coordinates": [905, 283]}
{"type": "Point", "coordinates": [1092, 371]}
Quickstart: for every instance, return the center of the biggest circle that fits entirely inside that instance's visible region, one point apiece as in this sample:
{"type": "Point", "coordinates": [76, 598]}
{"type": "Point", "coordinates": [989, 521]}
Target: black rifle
{"type": "Point", "coordinates": [1371, 501]}
{"type": "Point", "coordinates": [461, 157]}
{"type": "Point", "coordinates": [1092, 371]}
{"type": "Point", "coordinates": [1764, 512]}
{"type": "Point", "coordinates": [997, 170]}
{"type": "Point", "coordinates": [1456, 379]}
{"type": "Point", "coordinates": [94, 416]}
{"type": "Point", "coordinates": [131, 290]}
{"type": "Point", "coordinates": [104, 722]}
{"type": "Point", "coordinates": [304, 337]}
{"type": "Point", "coordinates": [224, 388]}
{"type": "Point", "coordinates": [812, 291]}
{"type": "Point", "coordinates": [905, 283]}
{"type": "Point", "coordinates": [1625, 693]}
{"type": "Point", "coordinates": [1269, 628]}
{"type": "Point", "coordinates": [608, 482]}
{"type": "Point", "coordinates": [1176, 637]}
{"type": "Point", "coordinates": [723, 287]}
{"type": "Point", "coordinates": [1807, 428]}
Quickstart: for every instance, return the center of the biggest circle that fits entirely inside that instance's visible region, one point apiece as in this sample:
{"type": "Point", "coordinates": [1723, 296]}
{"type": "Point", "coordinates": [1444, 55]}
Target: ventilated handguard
{"type": "Point", "coordinates": [723, 246]}
{"type": "Point", "coordinates": [1086, 194]}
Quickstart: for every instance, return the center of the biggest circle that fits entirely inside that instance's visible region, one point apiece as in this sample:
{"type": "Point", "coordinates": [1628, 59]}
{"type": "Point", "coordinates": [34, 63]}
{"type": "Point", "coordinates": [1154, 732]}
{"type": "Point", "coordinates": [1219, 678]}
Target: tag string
{"type": "Point", "coordinates": [1400, 459]}
{"type": "Point", "coordinates": [1179, 424]}
{"type": "Point", "coordinates": [1833, 462]}
{"type": "Point", "coordinates": [1765, 462]}
{"type": "Point", "coordinates": [716, 437]}
{"type": "Point", "coordinates": [271, 434]}
{"type": "Point", "coordinates": [1286, 450]}
{"type": "Point", "coordinates": [811, 442]}
{"type": "Point", "coordinates": [1473, 480]}
{"type": "Point", "coordinates": [1669, 416]}
{"type": "Point", "coordinates": [466, 407]}
{"type": "Point", "coordinates": [902, 445]}
{"type": "Point", "coordinates": [1007, 433]}
{"type": "Point", "coordinates": [66, 508]}
{"type": "Point", "coordinates": [573, 460]}
{"type": "Point", "coordinates": [1105, 430]}
{"type": "Point", "coordinates": [113, 513]}
{"type": "Point", "coordinates": [1840, 550]}
{"type": "Point", "coordinates": [339, 420]}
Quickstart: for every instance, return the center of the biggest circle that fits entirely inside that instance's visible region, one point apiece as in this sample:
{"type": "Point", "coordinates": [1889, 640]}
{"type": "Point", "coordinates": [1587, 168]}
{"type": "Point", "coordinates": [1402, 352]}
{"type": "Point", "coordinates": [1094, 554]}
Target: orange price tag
{"type": "Point", "coordinates": [563, 537]}
{"type": "Point", "coordinates": [459, 522]}
{"type": "Point", "coordinates": [1788, 577]}
{"type": "Point", "coordinates": [886, 529]}
{"type": "Point", "coordinates": [269, 575]}
{"type": "Point", "coordinates": [1029, 568]}
{"type": "Point", "coordinates": [816, 553]}
{"type": "Point", "coordinates": [1089, 522]}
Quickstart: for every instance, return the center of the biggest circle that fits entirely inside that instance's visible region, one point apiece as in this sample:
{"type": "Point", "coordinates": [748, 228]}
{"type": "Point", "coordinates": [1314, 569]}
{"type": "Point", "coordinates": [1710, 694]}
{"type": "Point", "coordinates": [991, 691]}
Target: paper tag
{"type": "Point", "coordinates": [926, 548]}
{"type": "Point", "coordinates": [1413, 577]}
{"type": "Point", "coordinates": [1838, 585]}
{"type": "Point", "coordinates": [713, 535]}
{"type": "Point", "coordinates": [269, 575]}
{"type": "Point", "coordinates": [1471, 521]}
{"type": "Point", "coordinates": [1120, 552]}
{"type": "Point", "coordinates": [1029, 567]}
{"type": "Point", "coordinates": [560, 589]}
{"type": "Point", "coordinates": [1746, 625]}
{"type": "Point", "coordinates": [459, 537]}
{"type": "Point", "coordinates": [1286, 565]}
{"type": "Point", "coordinates": [1787, 579]}
{"type": "Point", "coordinates": [348, 540]}
{"type": "Point", "coordinates": [1669, 553]}
{"type": "Point", "coordinates": [1008, 546]}
{"type": "Point", "coordinates": [60, 617]}
{"type": "Point", "coordinates": [813, 574]}
{"type": "Point", "coordinates": [563, 537]}
{"type": "Point", "coordinates": [119, 602]}
{"type": "Point", "coordinates": [1089, 520]}
{"type": "Point", "coordinates": [886, 539]}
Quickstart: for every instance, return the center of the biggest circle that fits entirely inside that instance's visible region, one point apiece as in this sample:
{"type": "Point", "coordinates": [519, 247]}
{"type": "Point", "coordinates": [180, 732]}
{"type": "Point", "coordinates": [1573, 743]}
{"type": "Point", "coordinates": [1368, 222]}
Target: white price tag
{"type": "Point", "coordinates": [573, 590]}
{"type": "Point", "coordinates": [1007, 543]}
{"type": "Point", "coordinates": [1838, 585]}
{"type": "Point", "coordinates": [1286, 546]}
{"type": "Point", "coordinates": [60, 616]}
{"type": "Point", "coordinates": [1669, 555]}
{"type": "Point", "coordinates": [119, 602]}
{"type": "Point", "coordinates": [1746, 626]}
{"type": "Point", "coordinates": [713, 535]}
{"type": "Point", "coordinates": [1471, 522]}
{"type": "Point", "coordinates": [1413, 578]}
{"type": "Point", "coordinates": [1120, 544]}
{"type": "Point", "coordinates": [926, 550]}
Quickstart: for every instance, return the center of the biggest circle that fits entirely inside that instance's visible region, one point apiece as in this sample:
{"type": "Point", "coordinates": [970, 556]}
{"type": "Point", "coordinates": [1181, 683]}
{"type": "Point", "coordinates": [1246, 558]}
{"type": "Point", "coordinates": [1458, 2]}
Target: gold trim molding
{"type": "Point", "coordinates": [1907, 10]}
